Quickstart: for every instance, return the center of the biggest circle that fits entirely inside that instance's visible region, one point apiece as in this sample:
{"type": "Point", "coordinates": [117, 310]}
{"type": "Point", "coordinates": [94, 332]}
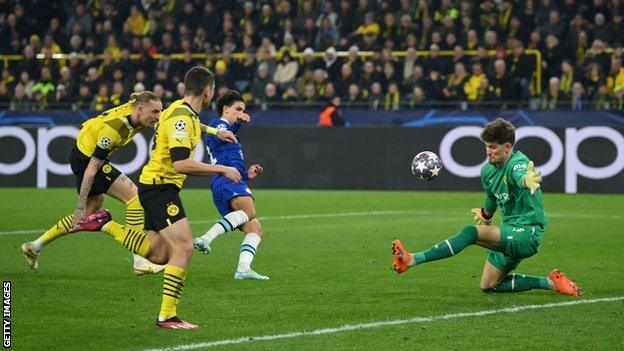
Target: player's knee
{"type": "Point", "coordinates": [251, 214]}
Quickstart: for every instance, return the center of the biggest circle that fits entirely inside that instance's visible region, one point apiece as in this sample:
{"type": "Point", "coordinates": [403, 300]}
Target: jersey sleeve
{"type": "Point", "coordinates": [490, 200]}
{"type": "Point", "coordinates": [518, 171]}
{"type": "Point", "coordinates": [178, 129]}
{"type": "Point", "coordinates": [108, 139]}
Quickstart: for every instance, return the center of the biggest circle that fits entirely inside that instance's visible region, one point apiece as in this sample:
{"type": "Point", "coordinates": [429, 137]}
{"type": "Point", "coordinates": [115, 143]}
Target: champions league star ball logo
{"type": "Point", "coordinates": [179, 125]}
{"type": "Point", "coordinates": [105, 143]}
{"type": "Point", "coordinates": [426, 165]}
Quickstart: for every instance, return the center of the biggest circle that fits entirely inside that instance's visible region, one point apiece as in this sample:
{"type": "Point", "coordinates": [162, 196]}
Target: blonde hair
{"type": "Point", "coordinates": [143, 97]}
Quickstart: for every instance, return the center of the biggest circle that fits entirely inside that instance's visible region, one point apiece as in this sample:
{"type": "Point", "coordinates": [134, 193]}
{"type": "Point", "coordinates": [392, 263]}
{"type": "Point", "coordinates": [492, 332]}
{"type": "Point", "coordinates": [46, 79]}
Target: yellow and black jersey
{"type": "Point", "coordinates": [178, 127]}
{"type": "Point", "coordinates": [102, 135]}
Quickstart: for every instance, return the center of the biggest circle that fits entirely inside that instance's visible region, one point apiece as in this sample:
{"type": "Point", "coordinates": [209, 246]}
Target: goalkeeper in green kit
{"type": "Point", "coordinates": [511, 183]}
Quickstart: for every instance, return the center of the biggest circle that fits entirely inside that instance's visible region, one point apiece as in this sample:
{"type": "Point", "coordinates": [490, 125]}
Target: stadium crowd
{"type": "Point", "coordinates": [283, 53]}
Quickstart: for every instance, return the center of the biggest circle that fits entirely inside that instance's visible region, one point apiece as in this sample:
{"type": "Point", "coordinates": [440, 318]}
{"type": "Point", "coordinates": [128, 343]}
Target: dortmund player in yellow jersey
{"type": "Point", "coordinates": [169, 239]}
{"type": "Point", "coordinates": [511, 183]}
{"type": "Point", "coordinates": [95, 176]}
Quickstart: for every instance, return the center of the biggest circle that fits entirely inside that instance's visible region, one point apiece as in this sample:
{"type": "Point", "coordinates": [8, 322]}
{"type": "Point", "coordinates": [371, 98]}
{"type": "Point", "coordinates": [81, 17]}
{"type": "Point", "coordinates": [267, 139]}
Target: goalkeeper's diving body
{"type": "Point", "coordinates": [511, 183]}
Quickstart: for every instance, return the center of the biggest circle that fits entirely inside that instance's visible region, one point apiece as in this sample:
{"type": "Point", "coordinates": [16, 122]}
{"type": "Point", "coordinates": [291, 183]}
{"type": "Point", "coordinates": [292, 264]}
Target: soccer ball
{"type": "Point", "coordinates": [426, 165]}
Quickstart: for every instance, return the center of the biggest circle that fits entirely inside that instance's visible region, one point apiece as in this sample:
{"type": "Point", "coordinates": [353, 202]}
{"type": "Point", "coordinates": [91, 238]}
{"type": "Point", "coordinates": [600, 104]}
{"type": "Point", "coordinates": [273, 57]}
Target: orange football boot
{"type": "Point", "coordinates": [401, 257]}
{"type": "Point", "coordinates": [563, 284]}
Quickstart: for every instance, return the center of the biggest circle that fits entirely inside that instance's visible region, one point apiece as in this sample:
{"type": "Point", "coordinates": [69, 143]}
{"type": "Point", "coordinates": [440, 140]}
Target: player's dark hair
{"type": "Point", "coordinates": [143, 97]}
{"type": "Point", "coordinates": [228, 98]}
{"type": "Point", "coordinates": [499, 131]}
{"type": "Point", "coordinates": [197, 79]}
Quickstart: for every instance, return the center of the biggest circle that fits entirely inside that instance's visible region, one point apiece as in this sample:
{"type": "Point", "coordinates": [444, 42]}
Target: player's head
{"type": "Point", "coordinates": [199, 82]}
{"type": "Point", "coordinates": [146, 107]}
{"type": "Point", "coordinates": [230, 105]}
{"type": "Point", "coordinates": [499, 137]}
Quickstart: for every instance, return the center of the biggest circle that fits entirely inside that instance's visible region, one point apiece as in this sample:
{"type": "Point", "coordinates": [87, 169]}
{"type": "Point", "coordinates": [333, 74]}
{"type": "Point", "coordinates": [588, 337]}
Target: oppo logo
{"type": "Point", "coordinates": [559, 152]}
{"type": "Point", "coordinates": [37, 151]}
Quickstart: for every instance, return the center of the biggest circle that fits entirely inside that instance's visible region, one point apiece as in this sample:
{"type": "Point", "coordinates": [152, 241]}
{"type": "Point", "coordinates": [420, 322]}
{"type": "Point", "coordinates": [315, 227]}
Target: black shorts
{"type": "Point", "coordinates": [162, 205]}
{"type": "Point", "coordinates": [104, 177]}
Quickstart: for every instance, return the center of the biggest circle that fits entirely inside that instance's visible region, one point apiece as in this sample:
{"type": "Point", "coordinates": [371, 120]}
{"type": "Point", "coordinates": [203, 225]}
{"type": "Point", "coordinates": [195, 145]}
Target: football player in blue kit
{"type": "Point", "coordinates": [234, 201]}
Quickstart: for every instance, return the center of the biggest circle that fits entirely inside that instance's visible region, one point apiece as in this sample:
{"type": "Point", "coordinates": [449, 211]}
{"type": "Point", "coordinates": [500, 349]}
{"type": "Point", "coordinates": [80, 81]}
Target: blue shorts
{"type": "Point", "coordinates": [223, 191]}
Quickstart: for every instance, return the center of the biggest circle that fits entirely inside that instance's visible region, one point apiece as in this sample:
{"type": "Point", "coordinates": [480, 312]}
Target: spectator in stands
{"type": "Point", "coordinates": [521, 69]}
{"type": "Point", "coordinates": [454, 89]}
{"type": "Point", "coordinates": [102, 100]}
{"type": "Point", "coordinates": [578, 98]}
{"type": "Point", "coordinates": [309, 96]}
{"type": "Point", "coordinates": [20, 101]}
{"type": "Point", "coordinates": [44, 87]}
{"type": "Point", "coordinates": [615, 78]}
{"type": "Point", "coordinates": [434, 85]}
{"type": "Point", "coordinates": [25, 83]}
{"type": "Point", "coordinates": [617, 102]}
{"type": "Point", "coordinates": [554, 98]}
{"type": "Point", "coordinates": [568, 76]}
{"type": "Point", "coordinates": [471, 88]}
{"type": "Point", "coordinates": [417, 98]}
{"type": "Point", "coordinates": [353, 98]}
{"type": "Point", "coordinates": [136, 20]}
{"type": "Point", "coordinates": [392, 99]}
{"type": "Point", "coordinates": [502, 83]}
{"type": "Point", "coordinates": [85, 98]}
{"type": "Point", "coordinates": [82, 17]}
{"type": "Point", "coordinates": [69, 85]}
{"type": "Point", "coordinates": [593, 79]}
{"type": "Point", "coordinates": [286, 72]}
{"type": "Point", "coordinates": [343, 82]}
{"type": "Point", "coordinates": [376, 97]}
{"type": "Point", "coordinates": [5, 96]}
{"type": "Point", "coordinates": [261, 80]}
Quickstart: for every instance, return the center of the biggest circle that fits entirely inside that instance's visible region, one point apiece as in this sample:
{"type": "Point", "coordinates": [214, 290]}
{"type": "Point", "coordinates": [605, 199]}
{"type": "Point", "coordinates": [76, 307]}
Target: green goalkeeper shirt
{"type": "Point", "coordinates": [504, 188]}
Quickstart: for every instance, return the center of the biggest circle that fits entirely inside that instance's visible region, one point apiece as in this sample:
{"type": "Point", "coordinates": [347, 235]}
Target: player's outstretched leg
{"type": "Point", "coordinates": [517, 282]}
{"type": "Point", "coordinates": [228, 223]}
{"type": "Point", "coordinates": [32, 249]}
{"type": "Point", "coordinates": [447, 248]}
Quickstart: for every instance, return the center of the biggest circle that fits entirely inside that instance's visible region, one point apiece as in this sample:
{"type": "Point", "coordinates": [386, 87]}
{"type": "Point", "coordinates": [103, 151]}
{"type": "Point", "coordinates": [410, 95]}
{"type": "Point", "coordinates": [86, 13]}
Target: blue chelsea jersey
{"type": "Point", "coordinates": [224, 153]}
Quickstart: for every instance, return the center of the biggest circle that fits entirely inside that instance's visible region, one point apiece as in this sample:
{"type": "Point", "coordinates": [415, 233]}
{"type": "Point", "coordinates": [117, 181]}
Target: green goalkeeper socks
{"type": "Point", "coordinates": [450, 247]}
{"type": "Point", "coordinates": [519, 282]}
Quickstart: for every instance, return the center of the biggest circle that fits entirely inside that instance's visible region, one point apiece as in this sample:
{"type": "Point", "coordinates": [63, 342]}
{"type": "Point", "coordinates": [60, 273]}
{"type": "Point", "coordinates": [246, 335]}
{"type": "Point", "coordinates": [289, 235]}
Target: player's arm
{"type": "Point", "coordinates": [94, 165]}
{"type": "Point", "coordinates": [183, 164]}
{"type": "Point", "coordinates": [484, 215]}
{"type": "Point", "coordinates": [525, 175]}
{"type": "Point", "coordinates": [222, 134]}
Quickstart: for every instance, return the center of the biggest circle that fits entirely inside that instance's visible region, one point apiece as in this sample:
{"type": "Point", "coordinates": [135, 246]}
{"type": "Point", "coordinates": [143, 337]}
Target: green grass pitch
{"type": "Point", "coordinates": [328, 254]}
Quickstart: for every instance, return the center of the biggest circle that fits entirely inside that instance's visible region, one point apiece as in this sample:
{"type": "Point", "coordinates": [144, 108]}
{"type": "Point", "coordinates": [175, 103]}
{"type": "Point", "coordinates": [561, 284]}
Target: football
{"type": "Point", "coordinates": [426, 165]}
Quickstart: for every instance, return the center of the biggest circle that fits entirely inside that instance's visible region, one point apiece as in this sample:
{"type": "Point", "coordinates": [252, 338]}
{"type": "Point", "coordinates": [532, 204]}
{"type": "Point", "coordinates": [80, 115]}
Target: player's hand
{"type": "Point", "coordinates": [232, 174]}
{"type": "Point", "coordinates": [226, 136]}
{"type": "Point", "coordinates": [480, 218]}
{"type": "Point", "coordinates": [78, 216]}
{"type": "Point", "coordinates": [243, 118]}
{"type": "Point", "coordinates": [254, 171]}
{"type": "Point", "coordinates": [532, 178]}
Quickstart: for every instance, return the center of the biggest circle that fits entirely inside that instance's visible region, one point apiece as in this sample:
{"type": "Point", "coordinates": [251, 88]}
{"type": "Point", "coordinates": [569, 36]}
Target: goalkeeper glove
{"type": "Point", "coordinates": [480, 217]}
{"type": "Point", "coordinates": [532, 178]}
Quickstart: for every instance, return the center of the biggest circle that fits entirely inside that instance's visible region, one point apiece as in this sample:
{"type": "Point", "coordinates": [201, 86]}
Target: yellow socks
{"type": "Point", "coordinates": [61, 228]}
{"type": "Point", "coordinates": [136, 241]}
{"type": "Point", "coordinates": [172, 289]}
{"type": "Point", "coordinates": [134, 214]}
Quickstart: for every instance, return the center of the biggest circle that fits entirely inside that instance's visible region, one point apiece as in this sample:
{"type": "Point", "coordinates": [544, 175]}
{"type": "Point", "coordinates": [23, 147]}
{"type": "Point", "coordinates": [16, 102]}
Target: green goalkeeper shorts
{"type": "Point", "coordinates": [517, 243]}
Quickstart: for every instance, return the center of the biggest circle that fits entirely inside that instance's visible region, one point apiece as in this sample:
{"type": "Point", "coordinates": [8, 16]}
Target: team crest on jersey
{"type": "Point", "coordinates": [105, 143]}
{"type": "Point", "coordinates": [222, 126]}
{"type": "Point", "coordinates": [107, 169]}
{"type": "Point", "coordinates": [172, 209]}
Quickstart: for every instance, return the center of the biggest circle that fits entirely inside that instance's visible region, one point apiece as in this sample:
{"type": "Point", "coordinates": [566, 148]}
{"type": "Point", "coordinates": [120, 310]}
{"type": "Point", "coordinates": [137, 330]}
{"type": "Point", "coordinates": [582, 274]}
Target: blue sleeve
{"type": "Point", "coordinates": [234, 127]}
